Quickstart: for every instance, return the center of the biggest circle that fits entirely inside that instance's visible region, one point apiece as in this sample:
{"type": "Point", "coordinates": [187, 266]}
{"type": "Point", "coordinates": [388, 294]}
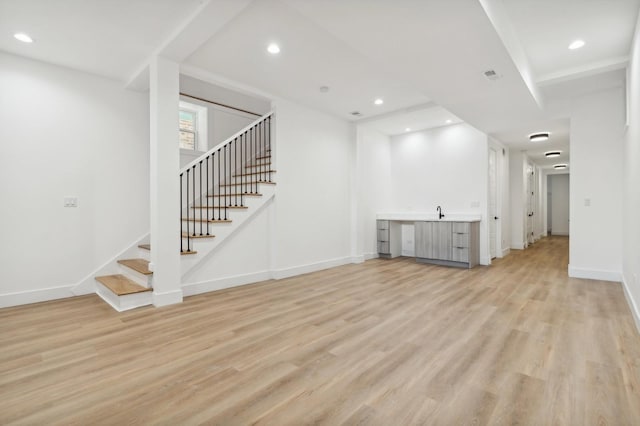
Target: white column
{"type": "Point", "coordinates": [164, 181]}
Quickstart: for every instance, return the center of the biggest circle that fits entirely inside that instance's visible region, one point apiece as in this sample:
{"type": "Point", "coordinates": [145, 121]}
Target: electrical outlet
{"type": "Point", "coordinates": [71, 201]}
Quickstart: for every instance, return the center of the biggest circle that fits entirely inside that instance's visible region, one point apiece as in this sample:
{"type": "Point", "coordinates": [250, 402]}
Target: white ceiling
{"type": "Point", "coordinates": [414, 119]}
{"type": "Point", "coordinates": [410, 53]}
{"type": "Point", "coordinates": [547, 27]}
{"type": "Point", "coordinates": [110, 38]}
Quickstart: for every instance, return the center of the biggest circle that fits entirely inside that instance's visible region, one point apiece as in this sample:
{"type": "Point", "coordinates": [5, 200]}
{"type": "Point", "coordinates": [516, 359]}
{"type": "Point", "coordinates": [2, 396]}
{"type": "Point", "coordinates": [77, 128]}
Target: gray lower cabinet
{"type": "Point", "coordinates": [389, 238]}
{"type": "Point", "coordinates": [448, 243]}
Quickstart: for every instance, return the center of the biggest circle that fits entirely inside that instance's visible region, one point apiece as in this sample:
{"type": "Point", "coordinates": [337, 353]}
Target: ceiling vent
{"type": "Point", "coordinates": [492, 75]}
{"type": "Point", "coordinates": [356, 113]}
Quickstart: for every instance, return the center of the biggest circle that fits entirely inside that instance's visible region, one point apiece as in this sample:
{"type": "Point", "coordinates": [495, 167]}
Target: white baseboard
{"type": "Point", "coordinates": [168, 298]}
{"type": "Point", "coordinates": [358, 259]}
{"type": "Point", "coordinates": [506, 251]}
{"type": "Point", "coordinates": [369, 256]}
{"type": "Point", "coordinates": [632, 304]}
{"type": "Point", "coordinates": [279, 274]}
{"type": "Point", "coordinates": [560, 234]}
{"type": "Point", "coordinates": [408, 253]}
{"type": "Point", "coordinates": [595, 274]}
{"type": "Point", "coordinates": [517, 246]}
{"type": "Point", "coordinates": [485, 261]}
{"type": "Point", "coordinates": [192, 289]}
{"type": "Point", "coordinates": [35, 296]}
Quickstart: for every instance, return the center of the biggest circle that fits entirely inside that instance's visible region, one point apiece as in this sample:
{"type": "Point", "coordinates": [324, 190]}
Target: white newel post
{"type": "Point", "coordinates": [164, 181]}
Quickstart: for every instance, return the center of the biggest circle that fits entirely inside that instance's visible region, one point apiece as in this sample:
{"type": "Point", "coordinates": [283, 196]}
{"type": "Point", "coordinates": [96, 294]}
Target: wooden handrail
{"type": "Point", "coordinates": [219, 104]}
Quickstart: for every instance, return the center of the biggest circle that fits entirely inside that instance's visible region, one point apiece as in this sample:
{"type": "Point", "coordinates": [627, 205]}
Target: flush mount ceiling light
{"type": "Point", "coordinates": [23, 37]}
{"type": "Point", "coordinates": [559, 166]}
{"type": "Point", "coordinates": [576, 44]}
{"type": "Point", "coordinates": [408, 129]}
{"type": "Point", "coordinates": [273, 48]}
{"type": "Point", "coordinates": [551, 154]}
{"type": "Point", "coordinates": [539, 137]}
{"type": "Point", "coordinates": [448, 122]}
{"type": "Point", "coordinates": [378, 101]}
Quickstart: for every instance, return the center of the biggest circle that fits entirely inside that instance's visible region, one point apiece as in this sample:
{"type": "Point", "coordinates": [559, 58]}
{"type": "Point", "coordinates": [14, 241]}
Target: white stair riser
{"type": "Point", "coordinates": [137, 277]}
{"type": "Point", "coordinates": [126, 302]}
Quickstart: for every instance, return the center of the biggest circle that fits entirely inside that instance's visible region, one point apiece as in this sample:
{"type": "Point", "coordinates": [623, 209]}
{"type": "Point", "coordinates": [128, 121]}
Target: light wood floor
{"type": "Point", "coordinates": [388, 342]}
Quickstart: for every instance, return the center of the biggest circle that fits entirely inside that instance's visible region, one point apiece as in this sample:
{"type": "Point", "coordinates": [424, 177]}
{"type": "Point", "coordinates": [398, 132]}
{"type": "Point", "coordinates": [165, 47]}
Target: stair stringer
{"type": "Point", "coordinates": [223, 232]}
{"type": "Point", "coordinates": [88, 284]}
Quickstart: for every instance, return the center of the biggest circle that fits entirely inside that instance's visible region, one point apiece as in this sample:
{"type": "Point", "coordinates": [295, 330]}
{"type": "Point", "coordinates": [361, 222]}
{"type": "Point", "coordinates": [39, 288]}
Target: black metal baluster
{"type": "Point", "coordinates": [226, 181]}
{"type": "Point", "coordinates": [235, 166]}
{"type": "Point", "coordinates": [269, 144]}
{"type": "Point", "coordinates": [254, 184]}
{"type": "Point", "coordinates": [218, 198]}
{"type": "Point", "coordinates": [207, 194]}
{"type": "Point", "coordinates": [263, 171]}
{"type": "Point", "coordinates": [242, 169]}
{"type": "Point", "coordinates": [194, 199]}
{"type": "Point", "coordinates": [200, 170]}
{"type": "Point", "coordinates": [187, 205]}
{"type": "Point", "coordinates": [181, 215]}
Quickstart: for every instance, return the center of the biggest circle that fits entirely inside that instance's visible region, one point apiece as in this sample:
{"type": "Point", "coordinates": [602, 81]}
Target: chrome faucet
{"type": "Point", "coordinates": [439, 210]}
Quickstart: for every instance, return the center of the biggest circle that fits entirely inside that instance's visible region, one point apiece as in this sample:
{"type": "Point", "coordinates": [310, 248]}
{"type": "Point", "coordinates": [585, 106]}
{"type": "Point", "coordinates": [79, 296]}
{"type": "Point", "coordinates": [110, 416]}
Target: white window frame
{"type": "Point", "coordinates": [201, 140]}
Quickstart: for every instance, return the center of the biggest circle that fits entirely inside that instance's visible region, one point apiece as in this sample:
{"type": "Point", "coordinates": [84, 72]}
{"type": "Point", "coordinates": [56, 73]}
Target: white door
{"type": "Point", "coordinates": [530, 197]}
{"type": "Point", "coordinates": [493, 202]}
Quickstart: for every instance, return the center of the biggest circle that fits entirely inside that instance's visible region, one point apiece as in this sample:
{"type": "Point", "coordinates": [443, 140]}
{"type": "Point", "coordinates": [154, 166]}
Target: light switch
{"type": "Point", "coordinates": [587, 202]}
{"type": "Point", "coordinates": [71, 201]}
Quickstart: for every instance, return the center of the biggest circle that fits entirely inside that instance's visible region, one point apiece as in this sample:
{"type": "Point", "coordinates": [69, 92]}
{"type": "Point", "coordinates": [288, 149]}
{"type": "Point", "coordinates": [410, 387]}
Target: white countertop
{"type": "Point", "coordinates": [416, 216]}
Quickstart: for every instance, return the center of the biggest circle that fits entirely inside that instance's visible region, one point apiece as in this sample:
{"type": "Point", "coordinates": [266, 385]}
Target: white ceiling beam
{"type": "Point", "coordinates": [587, 70]}
{"type": "Point", "coordinates": [209, 18]}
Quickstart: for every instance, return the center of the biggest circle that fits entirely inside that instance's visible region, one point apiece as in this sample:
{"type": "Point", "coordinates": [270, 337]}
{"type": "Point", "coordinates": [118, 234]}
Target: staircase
{"type": "Point", "coordinates": [219, 192]}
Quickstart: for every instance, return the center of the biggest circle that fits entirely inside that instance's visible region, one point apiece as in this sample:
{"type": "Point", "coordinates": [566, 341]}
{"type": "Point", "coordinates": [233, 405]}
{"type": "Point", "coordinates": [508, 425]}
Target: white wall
{"type": "Point", "coordinates": [373, 185]}
{"type": "Point", "coordinates": [558, 185]}
{"type": "Point", "coordinates": [597, 125]}
{"type": "Point", "coordinates": [517, 208]}
{"type": "Point", "coordinates": [631, 180]}
{"type": "Point", "coordinates": [307, 225]}
{"type": "Point", "coordinates": [67, 133]}
{"type": "Point", "coordinates": [447, 167]}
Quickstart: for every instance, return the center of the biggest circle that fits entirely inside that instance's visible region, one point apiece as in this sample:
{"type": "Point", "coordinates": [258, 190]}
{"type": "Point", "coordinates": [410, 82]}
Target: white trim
{"type": "Point", "coordinates": [506, 251]}
{"type": "Point", "coordinates": [517, 246]}
{"type": "Point", "coordinates": [560, 234]}
{"type": "Point", "coordinates": [358, 259]}
{"type": "Point", "coordinates": [35, 296]}
{"type": "Point", "coordinates": [594, 274]}
{"type": "Point", "coordinates": [485, 261]}
{"type": "Point", "coordinates": [371, 255]}
{"type": "Point", "coordinates": [632, 304]}
{"type": "Point", "coordinates": [168, 298]}
{"type": "Point", "coordinates": [200, 287]}
{"type": "Point", "coordinates": [279, 274]}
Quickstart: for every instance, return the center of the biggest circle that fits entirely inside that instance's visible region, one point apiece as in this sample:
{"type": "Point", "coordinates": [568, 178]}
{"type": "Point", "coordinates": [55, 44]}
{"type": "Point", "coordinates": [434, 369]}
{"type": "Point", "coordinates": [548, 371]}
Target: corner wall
{"type": "Point", "coordinates": [67, 133]}
{"type": "Point", "coordinates": [596, 181]}
{"type": "Point", "coordinates": [631, 180]}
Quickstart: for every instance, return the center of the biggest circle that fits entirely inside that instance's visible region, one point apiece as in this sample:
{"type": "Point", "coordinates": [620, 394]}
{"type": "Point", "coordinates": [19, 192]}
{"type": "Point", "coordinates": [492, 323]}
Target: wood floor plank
{"type": "Point", "coordinates": [380, 343]}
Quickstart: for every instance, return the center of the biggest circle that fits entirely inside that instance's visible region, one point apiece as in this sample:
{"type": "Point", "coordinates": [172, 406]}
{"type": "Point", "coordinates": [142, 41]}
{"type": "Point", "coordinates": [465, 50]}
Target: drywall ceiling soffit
{"type": "Point", "coordinates": [404, 51]}
{"type": "Point", "coordinates": [108, 38]}
{"type": "Point", "coordinates": [411, 120]}
{"type": "Point", "coordinates": [441, 48]}
{"type": "Point", "coordinates": [545, 29]}
{"type": "Point", "coordinates": [310, 57]}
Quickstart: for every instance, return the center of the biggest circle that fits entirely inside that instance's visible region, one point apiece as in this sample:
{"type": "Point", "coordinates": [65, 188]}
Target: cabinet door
{"type": "Point", "coordinates": [441, 240]}
{"type": "Point", "coordinates": [423, 239]}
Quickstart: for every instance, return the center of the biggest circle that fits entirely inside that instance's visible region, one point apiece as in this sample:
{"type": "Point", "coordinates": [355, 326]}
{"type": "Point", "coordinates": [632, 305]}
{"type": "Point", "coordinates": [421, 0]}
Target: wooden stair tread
{"type": "Point", "coordinates": [255, 173]}
{"type": "Point", "coordinates": [219, 207]}
{"type": "Point", "coordinates": [185, 235]}
{"type": "Point", "coordinates": [248, 183]}
{"type": "Point", "coordinates": [121, 285]}
{"type": "Point", "coordinates": [248, 194]}
{"type": "Point", "coordinates": [148, 247]}
{"type": "Point", "coordinates": [139, 265]}
{"type": "Point", "coordinates": [192, 219]}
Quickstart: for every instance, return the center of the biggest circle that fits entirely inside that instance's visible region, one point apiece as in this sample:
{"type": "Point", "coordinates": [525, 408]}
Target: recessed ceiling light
{"type": "Point", "coordinates": [559, 166]}
{"type": "Point", "coordinates": [539, 137]}
{"type": "Point", "coordinates": [408, 129]}
{"type": "Point", "coordinates": [273, 49]}
{"type": "Point", "coordinates": [448, 121]}
{"type": "Point", "coordinates": [551, 154]}
{"type": "Point", "coordinates": [576, 44]}
{"type": "Point", "coordinates": [378, 101]}
{"type": "Point", "coordinates": [23, 37]}
{"type": "Point", "coordinates": [324, 89]}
